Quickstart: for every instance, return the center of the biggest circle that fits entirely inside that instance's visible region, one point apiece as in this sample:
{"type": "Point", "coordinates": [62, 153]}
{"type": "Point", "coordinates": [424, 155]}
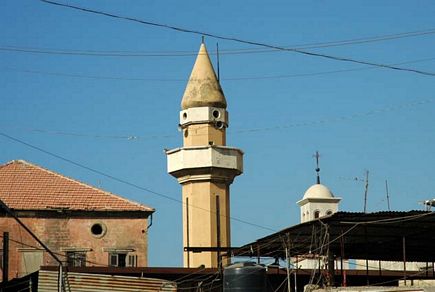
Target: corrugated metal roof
{"type": "Point", "coordinates": [81, 282]}
{"type": "Point", "coordinates": [376, 236]}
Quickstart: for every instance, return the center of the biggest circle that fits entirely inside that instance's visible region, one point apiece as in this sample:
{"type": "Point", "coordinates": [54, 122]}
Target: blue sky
{"type": "Point", "coordinates": [283, 106]}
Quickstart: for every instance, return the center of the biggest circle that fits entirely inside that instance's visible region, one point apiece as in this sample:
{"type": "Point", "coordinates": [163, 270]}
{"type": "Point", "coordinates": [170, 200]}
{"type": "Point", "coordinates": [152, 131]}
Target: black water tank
{"type": "Point", "coordinates": [246, 276]}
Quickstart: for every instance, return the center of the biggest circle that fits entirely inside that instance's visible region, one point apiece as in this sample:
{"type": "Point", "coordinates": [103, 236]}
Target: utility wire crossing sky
{"type": "Point", "coordinates": [220, 37]}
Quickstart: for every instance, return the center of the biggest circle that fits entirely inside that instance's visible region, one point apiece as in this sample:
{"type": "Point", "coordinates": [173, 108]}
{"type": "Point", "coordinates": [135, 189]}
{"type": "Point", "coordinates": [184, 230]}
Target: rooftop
{"type": "Point", "coordinates": [375, 236]}
{"type": "Point", "coordinates": [25, 186]}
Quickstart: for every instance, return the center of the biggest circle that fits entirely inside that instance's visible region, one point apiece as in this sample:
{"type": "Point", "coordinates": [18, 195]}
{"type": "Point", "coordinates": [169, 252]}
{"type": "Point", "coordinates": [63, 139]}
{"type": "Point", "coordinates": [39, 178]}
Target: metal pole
{"type": "Point", "coordinates": [187, 232]}
{"type": "Point", "coordinates": [288, 268]}
{"type": "Point", "coordinates": [404, 258]}
{"type": "Point", "coordinates": [5, 257]}
{"type": "Point", "coordinates": [366, 189]}
{"type": "Point", "coordinates": [366, 250]}
{"type": "Point", "coordinates": [218, 231]}
{"type": "Point", "coordinates": [296, 279]}
{"type": "Point", "coordinates": [331, 269]}
{"type": "Point", "coordinates": [343, 284]}
{"type": "Point", "coordinates": [388, 195]}
{"type": "Point", "coordinates": [60, 283]}
{"type": "Point", "coordinates": [218, 65]}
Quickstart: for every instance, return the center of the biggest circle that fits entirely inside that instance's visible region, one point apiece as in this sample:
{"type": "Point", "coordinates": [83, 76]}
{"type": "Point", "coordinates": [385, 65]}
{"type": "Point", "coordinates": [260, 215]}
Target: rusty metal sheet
{"type": "Point", "coordinates": [82, 282]}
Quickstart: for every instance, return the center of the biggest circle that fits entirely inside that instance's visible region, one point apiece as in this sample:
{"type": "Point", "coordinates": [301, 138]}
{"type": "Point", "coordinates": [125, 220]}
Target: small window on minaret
{"type": "Point", "coordinates": [316, 214]}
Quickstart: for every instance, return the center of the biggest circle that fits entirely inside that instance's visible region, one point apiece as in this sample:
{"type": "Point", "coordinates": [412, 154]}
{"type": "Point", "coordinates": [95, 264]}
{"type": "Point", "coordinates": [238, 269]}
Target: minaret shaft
{"type": "Point", "coordinates": [200, 226]}
{"type": "Point", "coordinates": [200, 134]}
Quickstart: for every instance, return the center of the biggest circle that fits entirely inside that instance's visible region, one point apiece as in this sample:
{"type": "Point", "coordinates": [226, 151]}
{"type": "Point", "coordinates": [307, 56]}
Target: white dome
{"type": "Point", "coordinates": [318, 191]}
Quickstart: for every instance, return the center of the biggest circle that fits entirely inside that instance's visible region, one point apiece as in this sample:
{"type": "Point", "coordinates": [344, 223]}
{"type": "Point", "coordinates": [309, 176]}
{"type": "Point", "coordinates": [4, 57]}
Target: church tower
{"type": "Point", "coordinates": [318, 200]}
{"type": "Point", "coordinates": [205, 167]}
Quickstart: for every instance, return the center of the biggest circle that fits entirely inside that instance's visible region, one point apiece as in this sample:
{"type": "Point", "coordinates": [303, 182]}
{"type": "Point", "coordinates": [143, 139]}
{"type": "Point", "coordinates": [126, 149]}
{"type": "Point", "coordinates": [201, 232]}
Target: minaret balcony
{"type": "Point", "coordinates": [205, 162]}
{"type": "Point", "coordinates": [201, 115]}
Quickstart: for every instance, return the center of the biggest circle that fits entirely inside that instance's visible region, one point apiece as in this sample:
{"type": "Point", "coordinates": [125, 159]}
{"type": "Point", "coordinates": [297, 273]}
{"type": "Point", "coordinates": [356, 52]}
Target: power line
{"type": "Point", "coordinates": [390, 108]}
{"type": "Point", "coordinates": [270, 77]}
{"type": "Point", "coordinates": [340, 118]}
{"type": "Point", "coordinates": [73, 75]}
{"type": "Point", "coordinates": [314, 45]}
{"type": "Point", "coordinates": [123, 181]}
{"type": "Point", "coordinates": [221, 37]}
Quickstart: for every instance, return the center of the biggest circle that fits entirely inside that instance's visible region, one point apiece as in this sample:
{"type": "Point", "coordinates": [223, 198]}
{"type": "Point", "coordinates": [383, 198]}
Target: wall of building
{"type": "Point", "coordinates": [74, 235]}
{"type": "Point", "coordinates": [308, 210]}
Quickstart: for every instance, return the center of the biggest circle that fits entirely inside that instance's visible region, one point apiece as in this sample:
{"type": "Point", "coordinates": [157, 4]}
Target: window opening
{"type": "Point", "coordinates": [98, 229]}
{"type": "Point", "coordinates": [76, 259]}
{"type": "Point", "coordinates": [132, 261]}
{"type": "Point", "coordinates": [117, 260]}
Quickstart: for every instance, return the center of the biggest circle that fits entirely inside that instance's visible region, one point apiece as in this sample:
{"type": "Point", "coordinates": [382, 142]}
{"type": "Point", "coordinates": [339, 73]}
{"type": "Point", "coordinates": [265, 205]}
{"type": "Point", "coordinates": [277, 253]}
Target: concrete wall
{"type": "Point", "coordinates": [73, 234]}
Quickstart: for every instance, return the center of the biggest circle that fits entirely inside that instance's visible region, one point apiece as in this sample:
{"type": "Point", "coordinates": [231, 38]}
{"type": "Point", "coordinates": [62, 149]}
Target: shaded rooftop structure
{"type": "Point", "coordinates": [387, 236]}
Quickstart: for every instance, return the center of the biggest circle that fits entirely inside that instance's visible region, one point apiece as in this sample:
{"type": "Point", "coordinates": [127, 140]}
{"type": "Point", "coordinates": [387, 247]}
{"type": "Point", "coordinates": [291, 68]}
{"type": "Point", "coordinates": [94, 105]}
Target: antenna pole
{"type": "Point", "coordinates": [388, 195]}
{"type": "Point", "coordinates": [217, 57]}
{"type": "Point", "coordinates": [317, 156]}
{"type": "Point", "coordinates": [366, 189]}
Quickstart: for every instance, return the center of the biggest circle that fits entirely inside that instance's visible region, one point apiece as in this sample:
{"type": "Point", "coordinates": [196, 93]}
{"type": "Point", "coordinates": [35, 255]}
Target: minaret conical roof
{"type": "Point", "coordinates": [203, 88]}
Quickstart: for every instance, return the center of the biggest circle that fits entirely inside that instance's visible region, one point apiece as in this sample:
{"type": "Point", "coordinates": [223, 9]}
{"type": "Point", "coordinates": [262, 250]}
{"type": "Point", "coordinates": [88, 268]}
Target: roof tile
{"type": "Point", "coordinates": [25, 186]}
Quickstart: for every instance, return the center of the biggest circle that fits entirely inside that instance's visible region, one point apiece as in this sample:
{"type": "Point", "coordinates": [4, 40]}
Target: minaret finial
{"type": "Point", "coordinates": [317, 156]}
{"type": "Point", "coordinates": [202, 39]}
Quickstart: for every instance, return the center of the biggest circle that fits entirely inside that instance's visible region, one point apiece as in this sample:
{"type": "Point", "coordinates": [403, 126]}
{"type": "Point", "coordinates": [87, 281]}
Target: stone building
{"type": "Point", "coordinates": [82, 225]}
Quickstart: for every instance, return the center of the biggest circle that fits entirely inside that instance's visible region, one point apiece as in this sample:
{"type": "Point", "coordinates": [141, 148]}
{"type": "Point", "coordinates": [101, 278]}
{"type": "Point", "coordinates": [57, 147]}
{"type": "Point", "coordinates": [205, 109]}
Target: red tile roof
{"type": "Point", "coordinates": [24, 186]}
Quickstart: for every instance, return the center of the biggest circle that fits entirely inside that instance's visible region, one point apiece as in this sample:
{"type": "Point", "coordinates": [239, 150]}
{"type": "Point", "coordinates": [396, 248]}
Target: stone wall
{"type": "Point", "coordinates": [74, 234]}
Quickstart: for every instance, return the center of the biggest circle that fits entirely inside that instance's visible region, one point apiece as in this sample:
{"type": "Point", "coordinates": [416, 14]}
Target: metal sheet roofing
{"type": "Point", "coordinates": [48, 281]}
{"type": "Point", "coordinates": [391, 236]}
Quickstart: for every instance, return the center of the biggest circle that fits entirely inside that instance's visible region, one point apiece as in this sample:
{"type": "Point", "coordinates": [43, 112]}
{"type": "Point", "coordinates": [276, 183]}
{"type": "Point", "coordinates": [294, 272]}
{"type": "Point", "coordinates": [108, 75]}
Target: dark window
{"type": "Point", "coordinates": [98, 229]}
{"type": "Point", "coordinates": [113, 260]}
{"type": "Point", "coordinates": [316, 214]}
{"type": "Point", "coordinates": [121, 259]}
{"type": "Point", "coordinates": [117, 259]}
{"type": "Point", "coordinates": [76, 259]}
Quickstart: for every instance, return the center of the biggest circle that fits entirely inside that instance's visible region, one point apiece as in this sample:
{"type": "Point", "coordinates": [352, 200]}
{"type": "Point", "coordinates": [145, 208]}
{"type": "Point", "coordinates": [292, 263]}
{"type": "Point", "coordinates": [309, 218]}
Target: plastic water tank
{"type": "Point", "coordinates": [245, 276]}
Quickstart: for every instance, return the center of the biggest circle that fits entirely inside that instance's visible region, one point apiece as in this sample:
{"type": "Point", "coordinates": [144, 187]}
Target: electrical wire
{"type": "Point", "coordinates": [123, 181]}
{"type": "Point", "coordinates": [222, 37]}
{"type": "Point", "coordinates": [222, 52]}
{"type": "Point", "coordinates": [391, 220]}
{"type": "Point", "coordinates": [316, 45]}
{"type": "Point", "coordinates": [56, 253]}
{"type": "Point", "coordinates": [243, 78]}
{"type": "Point", "coordinates": [133, 137]}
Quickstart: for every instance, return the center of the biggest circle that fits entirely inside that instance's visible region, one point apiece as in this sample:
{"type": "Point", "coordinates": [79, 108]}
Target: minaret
{"type": "Point", "coordinates": [205, 167]}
